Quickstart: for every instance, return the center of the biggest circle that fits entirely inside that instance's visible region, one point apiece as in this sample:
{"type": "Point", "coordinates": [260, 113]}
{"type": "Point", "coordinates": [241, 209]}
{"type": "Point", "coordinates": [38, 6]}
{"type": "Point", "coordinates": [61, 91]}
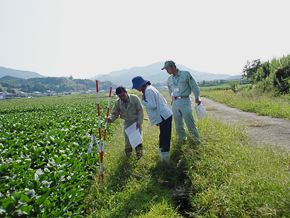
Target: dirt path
{"type": "Point", "coordinates": [263, 130]}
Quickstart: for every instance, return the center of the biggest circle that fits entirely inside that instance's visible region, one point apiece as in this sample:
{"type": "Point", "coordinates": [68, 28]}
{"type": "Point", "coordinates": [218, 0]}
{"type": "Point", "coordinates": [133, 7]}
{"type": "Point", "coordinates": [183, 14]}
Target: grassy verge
{"type": "Point", "coordinates": [252, 101]}
{"type": "Point", "coordinates": [225, 176]}
{"type": "Point", "coordinates": [233, 178]}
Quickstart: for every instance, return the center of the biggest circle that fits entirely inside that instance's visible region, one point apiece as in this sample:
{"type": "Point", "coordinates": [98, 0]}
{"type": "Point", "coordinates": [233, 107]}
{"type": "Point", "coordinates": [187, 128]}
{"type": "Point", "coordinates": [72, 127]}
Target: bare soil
{"type": "Point", "coordinates": [263, 130]}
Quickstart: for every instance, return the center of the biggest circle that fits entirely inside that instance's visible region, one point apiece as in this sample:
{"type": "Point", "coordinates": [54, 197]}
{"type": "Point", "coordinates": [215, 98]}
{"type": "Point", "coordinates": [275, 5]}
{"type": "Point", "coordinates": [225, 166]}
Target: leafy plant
{"type": "Point", "coordinates": [45, 170]}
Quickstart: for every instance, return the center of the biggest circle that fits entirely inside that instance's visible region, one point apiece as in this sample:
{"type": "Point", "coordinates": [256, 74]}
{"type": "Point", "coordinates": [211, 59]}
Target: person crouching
{"type": "Point", "coordinates": [129, 108]}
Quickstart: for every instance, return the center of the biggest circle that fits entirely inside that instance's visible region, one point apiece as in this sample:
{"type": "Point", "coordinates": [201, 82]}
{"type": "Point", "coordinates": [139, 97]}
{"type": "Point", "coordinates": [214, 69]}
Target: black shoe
{"type": "Point", "coordinates": [128, 152]}
{"type": "Point", "coordinates": [139, 151]}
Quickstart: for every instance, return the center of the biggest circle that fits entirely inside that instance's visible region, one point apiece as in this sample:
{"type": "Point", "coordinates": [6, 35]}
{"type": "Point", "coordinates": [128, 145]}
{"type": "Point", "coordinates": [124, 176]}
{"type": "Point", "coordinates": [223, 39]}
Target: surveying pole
{"type": "Point", "coordinates": [101, 176]}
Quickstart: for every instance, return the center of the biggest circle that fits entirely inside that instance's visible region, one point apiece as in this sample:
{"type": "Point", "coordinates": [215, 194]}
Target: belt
{"type": "Point", "coordinates": [180, 97]}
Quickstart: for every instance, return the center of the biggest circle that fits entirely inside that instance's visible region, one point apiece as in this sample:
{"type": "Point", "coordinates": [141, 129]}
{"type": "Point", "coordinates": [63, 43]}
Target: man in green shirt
{"type": "Point", "coordinates": [180, 85]}
{"type": "Point", "coordinates": [129, 108]}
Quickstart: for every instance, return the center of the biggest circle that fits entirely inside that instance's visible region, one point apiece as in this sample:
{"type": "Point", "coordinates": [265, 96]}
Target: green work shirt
{"type": "Point", "coordinates": [182, 84]}
{"type": "Point", "coordinates": [130, 111]}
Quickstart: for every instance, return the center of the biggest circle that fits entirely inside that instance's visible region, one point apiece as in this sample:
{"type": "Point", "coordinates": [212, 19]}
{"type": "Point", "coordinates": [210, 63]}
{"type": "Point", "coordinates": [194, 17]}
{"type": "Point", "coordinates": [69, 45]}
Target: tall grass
{"type": "Point", "coordinates": [252, 101]}
{"type": "Point", "coordinates": [233, 178]}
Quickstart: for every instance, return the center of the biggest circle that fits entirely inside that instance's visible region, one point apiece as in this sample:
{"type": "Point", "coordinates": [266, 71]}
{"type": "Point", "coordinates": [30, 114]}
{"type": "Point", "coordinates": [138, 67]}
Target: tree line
{"type": "Point", "coordinates": [270, 75]}
{"type": "Point", "coordinates": [56, 84]}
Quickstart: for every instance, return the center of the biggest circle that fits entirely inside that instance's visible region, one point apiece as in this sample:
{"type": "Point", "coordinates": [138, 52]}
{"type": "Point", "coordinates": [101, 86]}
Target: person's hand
{"type": "Point", "coordinates": [157, 124]}
{"type": "Point", "coordinates": [173, 98]}
{"type": "Point", "coordinates": [108, 119]}
{"type": "Point", "coordinates": [197, 101]}
{"type": "Point", "coordinates": [138, 125]}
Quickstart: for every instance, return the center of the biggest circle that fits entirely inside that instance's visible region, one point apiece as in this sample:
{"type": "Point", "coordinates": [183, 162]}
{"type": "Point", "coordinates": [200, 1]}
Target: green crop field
{"type": "Point", "coordinates": [44, 166]}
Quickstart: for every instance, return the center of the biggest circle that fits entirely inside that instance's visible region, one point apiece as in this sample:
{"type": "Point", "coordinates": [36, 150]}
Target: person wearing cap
{"type": "Point", "coordinates": [180, 85]}
{"type": "Point", "coordinates": [159, 113]}
{"type": "Point", "coordinates": [129, 108]}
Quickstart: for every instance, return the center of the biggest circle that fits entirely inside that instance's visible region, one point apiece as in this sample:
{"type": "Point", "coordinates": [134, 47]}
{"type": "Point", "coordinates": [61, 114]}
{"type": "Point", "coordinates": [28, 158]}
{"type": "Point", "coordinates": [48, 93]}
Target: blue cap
{"type": "Point", "coordinates": [138, 81]}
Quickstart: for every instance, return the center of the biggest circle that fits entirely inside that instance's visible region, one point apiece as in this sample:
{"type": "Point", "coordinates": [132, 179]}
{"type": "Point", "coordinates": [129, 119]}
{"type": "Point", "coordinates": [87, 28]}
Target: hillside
{"type": "Point", "coordinates": [18, 73]}
{"type": "Point", "coordinates": [12, 79]}
{"type": "Point", "coordinates": [154, 73]}
{"type": "Point", "coordinates": [55, 84]}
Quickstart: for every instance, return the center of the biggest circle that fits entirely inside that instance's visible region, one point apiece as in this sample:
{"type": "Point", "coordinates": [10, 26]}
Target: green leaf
{"type": "Point", "coordinates": [46, 202]}
{"type": "Point", "coordinates": [36, 184]}
{"type": "Point", "coordinates": [58, 159]}
{"type": "Point", "coordinates": [24, 198]}
{"type": "Point", "coordinates": [42, 198]}
{"type": "Point", "coordinates": [27, 209]}
{"type": "Point", "coordinates": [9, 206]}
{"type": "Point", "coordinates": [68, 213]}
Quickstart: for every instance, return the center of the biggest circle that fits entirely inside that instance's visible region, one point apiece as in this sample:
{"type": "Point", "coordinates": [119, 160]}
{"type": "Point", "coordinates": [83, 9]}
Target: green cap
{"type": "Point", "coordinates": [168, 64]}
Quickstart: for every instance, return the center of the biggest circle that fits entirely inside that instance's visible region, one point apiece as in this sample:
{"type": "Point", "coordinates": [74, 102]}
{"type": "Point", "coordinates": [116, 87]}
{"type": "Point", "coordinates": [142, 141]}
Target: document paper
{"type": "Point", "coordinates": [133, 135]}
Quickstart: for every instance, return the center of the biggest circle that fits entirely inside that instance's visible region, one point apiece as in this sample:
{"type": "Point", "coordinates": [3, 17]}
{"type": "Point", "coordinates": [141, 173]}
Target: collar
{"type": "Point", "coordinates": [178, 73]}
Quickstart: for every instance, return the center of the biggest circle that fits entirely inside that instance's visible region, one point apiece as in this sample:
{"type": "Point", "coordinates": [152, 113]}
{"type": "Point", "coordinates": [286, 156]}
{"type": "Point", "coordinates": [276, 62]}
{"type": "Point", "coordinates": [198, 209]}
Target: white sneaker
{"type": "Point", "coordinates": [165, 156]}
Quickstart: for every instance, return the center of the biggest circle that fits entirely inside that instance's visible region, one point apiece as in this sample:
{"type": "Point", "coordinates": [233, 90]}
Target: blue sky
{"type": "Point", "coordinates": [90, 37]}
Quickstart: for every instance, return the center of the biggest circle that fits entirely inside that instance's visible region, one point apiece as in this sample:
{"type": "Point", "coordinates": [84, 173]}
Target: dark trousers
{"type": "Point", "coordinates": [165, 134]}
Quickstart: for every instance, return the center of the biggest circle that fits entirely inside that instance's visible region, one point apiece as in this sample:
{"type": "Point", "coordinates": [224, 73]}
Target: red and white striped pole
{"type": "Point", "coordinates": [104, 140]}
{"type": "Point", "coordinates": [100, 137]}
{"type": "Point", "coordinates": [99, 119]}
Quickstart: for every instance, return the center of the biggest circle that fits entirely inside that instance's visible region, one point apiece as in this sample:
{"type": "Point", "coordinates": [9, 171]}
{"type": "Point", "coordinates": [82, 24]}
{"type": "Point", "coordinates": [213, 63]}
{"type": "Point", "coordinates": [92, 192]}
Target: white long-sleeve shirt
{"type": "Point", "coordinates": [156, 105]}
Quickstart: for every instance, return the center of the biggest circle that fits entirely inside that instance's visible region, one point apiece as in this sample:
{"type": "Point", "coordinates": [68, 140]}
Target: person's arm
{"type": "Point", "coordinates": [150, 101]}
{"type": "Point", "coordinates": [114, 113]}
{"type": "Point", "coordinates": [169, 87]}
{"type": "Point", "coordinates": [194, 87]}
{"type": "Point", "coordinates": [140, 113]}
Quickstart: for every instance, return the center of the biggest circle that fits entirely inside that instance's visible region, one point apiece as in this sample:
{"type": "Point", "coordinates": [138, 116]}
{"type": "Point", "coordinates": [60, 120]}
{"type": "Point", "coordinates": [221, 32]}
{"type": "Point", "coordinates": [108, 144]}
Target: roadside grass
{"type": "Point", "coordinates": [233, 178]}
{"type": "Point", "coordinates": [225, 176]}
{"type": "Point", "coordinates": [252, 101]}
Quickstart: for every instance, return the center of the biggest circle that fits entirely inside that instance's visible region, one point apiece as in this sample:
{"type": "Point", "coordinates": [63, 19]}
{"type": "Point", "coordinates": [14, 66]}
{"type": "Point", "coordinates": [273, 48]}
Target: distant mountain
{"type": "Point", "coordinates": [11, 79]}
{"type": "Point", "coordinates": [18, 73]}
{"type": "Point", "coordinates": [154, 74]}
{"type": "Point", "coordinates": [235, 77]}
{"type": "Point", "coordinates": [56, 84]}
